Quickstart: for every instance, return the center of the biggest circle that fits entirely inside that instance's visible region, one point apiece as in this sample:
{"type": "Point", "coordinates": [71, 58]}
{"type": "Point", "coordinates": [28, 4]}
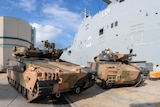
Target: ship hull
{"type": "Point", "coordinates": [122, 26]}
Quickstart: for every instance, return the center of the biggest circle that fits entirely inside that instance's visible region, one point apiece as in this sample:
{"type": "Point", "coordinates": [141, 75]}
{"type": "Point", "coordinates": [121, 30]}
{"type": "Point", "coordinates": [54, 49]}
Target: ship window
{"type": "Point", "coordinates": [116, 23]}
{"type": "Point", "coordinates": [121, 1]}
{"type": "Point", "coordinates": [112, 25]}
{"type": "Point", "coordinates": [69, 52]}
{"type": "Point", "coordinates": [101, 31]}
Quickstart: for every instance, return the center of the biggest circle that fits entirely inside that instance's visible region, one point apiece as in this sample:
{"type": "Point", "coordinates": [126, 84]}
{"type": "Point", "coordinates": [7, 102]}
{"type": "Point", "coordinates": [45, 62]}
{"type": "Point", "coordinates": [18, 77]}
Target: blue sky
{"type": "Point", "coordinates": [54, 20]}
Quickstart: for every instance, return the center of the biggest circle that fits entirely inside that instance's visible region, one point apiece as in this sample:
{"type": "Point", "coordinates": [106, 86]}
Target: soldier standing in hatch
{"type": "Point", "coordinates": [112, 56]}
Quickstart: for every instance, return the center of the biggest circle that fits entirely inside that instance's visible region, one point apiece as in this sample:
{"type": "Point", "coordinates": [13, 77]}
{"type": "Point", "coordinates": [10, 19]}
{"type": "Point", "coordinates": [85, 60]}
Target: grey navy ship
{"type": "Point", "coordinates": [123, 26]}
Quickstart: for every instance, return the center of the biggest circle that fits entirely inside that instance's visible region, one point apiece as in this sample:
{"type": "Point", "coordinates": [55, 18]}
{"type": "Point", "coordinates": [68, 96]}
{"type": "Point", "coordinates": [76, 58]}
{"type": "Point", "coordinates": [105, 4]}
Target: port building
{"type": "Point", "coordinates": [14, 32]}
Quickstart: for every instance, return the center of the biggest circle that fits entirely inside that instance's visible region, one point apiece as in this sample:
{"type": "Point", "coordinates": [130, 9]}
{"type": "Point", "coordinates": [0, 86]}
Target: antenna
{"type": "Point", "coordinates": [85, 13]}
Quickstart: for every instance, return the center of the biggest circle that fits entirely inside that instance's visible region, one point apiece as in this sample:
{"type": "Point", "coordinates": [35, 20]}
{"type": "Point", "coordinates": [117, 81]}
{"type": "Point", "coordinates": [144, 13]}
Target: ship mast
{"type": "Point", "coordinates": [85, 13]}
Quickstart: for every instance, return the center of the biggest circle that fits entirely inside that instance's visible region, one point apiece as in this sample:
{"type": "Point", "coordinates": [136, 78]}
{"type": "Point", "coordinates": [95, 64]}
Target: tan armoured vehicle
{"type": "Point", "coordinates": [116, 69]}
{"type": "Point", "coordinates": [35, 75]}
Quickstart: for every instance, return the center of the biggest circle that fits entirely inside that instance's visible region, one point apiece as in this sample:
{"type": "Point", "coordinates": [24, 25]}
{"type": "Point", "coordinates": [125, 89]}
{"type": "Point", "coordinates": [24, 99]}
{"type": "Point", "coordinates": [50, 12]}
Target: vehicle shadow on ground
{"type": "Point", "coordinates": [93, 91]}
{"type": "Point", "coordinates": [89, 93]}
{"type": "Point", "coordinates": [157, 104]}
{"type": "Point", "coordinates": [128, 85]}
{"type": "Point", "coordinates": [51, 100]}
{"type": "Point", "coordinates": [65, 99]}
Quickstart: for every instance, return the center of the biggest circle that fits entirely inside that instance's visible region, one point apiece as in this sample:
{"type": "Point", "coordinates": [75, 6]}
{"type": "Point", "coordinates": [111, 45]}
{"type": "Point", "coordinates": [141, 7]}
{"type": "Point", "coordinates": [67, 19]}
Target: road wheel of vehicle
{"type": "Point", "coordinates": [77, 90]}
{"type": "Point", "coordinates": [9, 80]}
{"type": "Point", "coordinates": [32, 94]}
{"type": "Point", "coordinates": [19, 88]}
{"type": "Point", "coordinates": [16, 86]}
{"type": "Point", "coordinates": [24, 91]}
{"type": "Point", "coordinates": [103, 84]}
{"type": "Point", "coordinates": [14, 83]}
{"type": "Point", "coordinates": [58, 95]}
{"type": "Point", "coordinates": [98, 82]}
{"type": "Point", "coordinates": [29, 95]}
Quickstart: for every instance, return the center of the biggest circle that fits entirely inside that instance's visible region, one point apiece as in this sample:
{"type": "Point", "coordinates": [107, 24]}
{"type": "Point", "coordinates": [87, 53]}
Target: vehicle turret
{"type": "Point", "coordinates": [109, 56]}
{"type": "Point", "coordinates": [30, 51]}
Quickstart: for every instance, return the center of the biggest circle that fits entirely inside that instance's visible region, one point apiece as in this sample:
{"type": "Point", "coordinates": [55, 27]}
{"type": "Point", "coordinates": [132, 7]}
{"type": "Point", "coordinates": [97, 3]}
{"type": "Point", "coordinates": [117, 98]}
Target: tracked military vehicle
{"type": "Point", "coordinates": [36, 73]}
{"type": "Point", "coordinates": [117, 69]}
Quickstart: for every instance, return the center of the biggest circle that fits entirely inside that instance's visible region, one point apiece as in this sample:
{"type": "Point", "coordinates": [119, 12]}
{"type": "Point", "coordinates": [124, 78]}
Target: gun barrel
{"type": "Point", "coordinates": [129, 55]}
{"type": "Point", "coordinates": [133, 54]}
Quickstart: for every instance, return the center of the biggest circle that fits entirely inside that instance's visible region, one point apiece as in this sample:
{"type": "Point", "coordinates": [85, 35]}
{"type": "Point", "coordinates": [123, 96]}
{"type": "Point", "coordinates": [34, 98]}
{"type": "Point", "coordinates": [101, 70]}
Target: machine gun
{"type": "Point", "coordinates": [124, 58]}
{"type": "Point", "coordinates": [50, 47]}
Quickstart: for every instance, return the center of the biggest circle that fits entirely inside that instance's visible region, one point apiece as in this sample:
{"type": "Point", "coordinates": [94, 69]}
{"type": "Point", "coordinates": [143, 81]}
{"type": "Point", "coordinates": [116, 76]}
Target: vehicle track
{"type": "Point", "coordinates": [62, 100]}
